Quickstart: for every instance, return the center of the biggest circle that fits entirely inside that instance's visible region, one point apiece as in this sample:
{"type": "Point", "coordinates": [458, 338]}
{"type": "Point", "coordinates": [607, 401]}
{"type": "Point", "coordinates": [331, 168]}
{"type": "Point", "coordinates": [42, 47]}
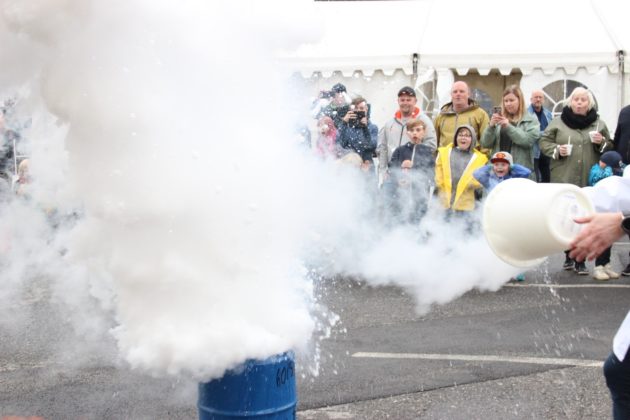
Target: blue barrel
{"type": "Point", "coordinates": [260, 390]}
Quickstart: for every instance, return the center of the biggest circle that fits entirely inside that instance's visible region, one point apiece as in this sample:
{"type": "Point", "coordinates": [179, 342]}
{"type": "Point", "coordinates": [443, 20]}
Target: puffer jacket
{"type": "Point", "coordinates": [575, 168]}
{"type": "Point", "coordinates": [447, 120]}
{"type": "Point", "coordinates": [464, 198]}
{"type": "Point", "coordinates": [524, 135]}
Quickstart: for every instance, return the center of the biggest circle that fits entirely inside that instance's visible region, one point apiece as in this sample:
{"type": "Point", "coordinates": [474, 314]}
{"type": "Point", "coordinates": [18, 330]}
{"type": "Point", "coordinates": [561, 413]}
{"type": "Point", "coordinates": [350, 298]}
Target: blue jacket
{"type": "Point", "coordinates": [486, 176]}
{"type": "Point", "coordinates": [359, 139]}
{"type": "Point", "coordinates": [549, 117]}
{"type": "Point", "coordinates": [598, 173]}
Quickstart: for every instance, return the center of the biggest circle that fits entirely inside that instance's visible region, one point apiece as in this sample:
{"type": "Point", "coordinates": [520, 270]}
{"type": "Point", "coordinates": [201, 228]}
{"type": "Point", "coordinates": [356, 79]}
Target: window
{"type": "Point", "coordinates": [556, 93]}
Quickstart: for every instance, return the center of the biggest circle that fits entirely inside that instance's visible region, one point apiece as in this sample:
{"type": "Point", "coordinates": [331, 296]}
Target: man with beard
{"type": "Point", "coordinates": [393, 134]}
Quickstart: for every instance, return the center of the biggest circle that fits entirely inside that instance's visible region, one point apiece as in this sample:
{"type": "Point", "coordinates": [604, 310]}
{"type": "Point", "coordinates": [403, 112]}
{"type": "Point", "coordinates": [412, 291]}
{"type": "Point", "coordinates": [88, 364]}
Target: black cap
{"type": "Point", "coordinates": [338, 88]}
{"type": "Point", "coordinates": [611, 158]}
{"type": "Point", "coordinates": [407, 90]}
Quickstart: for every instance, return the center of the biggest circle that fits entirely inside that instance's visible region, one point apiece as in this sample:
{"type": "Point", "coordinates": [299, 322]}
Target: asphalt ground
{"type": "Point", "coordinates": [532, 350]}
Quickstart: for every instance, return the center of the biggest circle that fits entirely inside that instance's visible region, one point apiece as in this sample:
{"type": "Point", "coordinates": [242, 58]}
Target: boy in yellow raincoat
{"type": "Point", "coordinates": [454, 167]}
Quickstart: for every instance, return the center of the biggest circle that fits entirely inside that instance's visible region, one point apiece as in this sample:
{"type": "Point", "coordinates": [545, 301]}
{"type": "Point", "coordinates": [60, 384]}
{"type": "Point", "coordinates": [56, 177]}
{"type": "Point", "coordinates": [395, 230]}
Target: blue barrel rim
{"type": "Point", "coordinates": [263, 389]}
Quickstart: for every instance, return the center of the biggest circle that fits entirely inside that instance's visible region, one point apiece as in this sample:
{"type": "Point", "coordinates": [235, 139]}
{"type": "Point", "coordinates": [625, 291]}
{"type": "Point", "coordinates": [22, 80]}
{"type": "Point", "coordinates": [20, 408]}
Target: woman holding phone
{"type": "Point", "coordinates": [512, 129]}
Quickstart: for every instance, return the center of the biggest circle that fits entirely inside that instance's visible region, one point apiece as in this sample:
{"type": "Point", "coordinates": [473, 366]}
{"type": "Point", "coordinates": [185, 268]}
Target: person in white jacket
{"type": "Point", "coordinates": [611, 197]}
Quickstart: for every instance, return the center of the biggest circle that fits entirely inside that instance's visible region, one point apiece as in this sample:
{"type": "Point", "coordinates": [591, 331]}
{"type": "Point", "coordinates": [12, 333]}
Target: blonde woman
{"type": "Point", "coordinates": [512, 129]}
{"type": "Point", "coordinates": [575, 142]}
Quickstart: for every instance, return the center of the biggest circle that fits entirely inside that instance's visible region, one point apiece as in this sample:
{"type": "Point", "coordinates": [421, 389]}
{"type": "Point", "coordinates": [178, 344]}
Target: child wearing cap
{"type": "Point", "coordinates": [609, 164]}
{"type": "Point", "coordinates": [501, 167]}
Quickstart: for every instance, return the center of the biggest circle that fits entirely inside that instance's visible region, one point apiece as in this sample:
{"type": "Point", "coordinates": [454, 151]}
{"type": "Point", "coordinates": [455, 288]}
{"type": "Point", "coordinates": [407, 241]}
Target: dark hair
{"type": "Point", "coordinates": [338, 88]}
{"type": "Point", "coordinates": [356, 101]}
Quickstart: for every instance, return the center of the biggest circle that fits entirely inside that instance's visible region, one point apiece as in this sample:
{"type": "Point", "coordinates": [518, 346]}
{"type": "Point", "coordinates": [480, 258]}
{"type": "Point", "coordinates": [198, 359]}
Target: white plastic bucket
{"type": "Point", "coordinates": [524, 222]}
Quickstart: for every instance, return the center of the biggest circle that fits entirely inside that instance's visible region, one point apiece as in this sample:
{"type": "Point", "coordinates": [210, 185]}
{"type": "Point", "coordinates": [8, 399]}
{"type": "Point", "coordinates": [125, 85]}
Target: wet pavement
{"type": "Point", "coordinates": [530, 350]}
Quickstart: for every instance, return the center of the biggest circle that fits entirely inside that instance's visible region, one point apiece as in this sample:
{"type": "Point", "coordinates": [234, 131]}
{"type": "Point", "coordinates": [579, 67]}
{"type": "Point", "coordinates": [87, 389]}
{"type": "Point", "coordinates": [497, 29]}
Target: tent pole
{"type": "Point", "coordinates": [414, 63]}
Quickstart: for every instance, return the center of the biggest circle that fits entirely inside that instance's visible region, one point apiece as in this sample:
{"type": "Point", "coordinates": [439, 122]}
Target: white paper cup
{"type": "Point", "coordinates": [592, 135]}
{"type": "Point", "coordinates": [569, 149]}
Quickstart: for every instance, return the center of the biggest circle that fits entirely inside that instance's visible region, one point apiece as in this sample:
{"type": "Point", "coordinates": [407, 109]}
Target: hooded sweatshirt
{"type": "Point", "coordinates": [453, 173]}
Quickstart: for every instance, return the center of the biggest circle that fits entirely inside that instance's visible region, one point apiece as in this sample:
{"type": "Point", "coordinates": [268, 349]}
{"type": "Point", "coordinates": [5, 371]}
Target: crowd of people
{"type": "Point", "coordinates": [14, 174]}
{"type": "Point", "coordinates": [456, 159]}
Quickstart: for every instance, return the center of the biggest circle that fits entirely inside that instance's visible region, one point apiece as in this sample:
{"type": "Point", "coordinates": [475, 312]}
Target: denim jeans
{"type": "Point", "coordinates": [618, 380]}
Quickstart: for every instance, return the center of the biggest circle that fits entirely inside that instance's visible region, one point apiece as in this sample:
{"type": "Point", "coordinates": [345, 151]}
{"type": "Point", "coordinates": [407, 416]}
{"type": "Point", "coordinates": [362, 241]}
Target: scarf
{"type": "Point", "coordinates": [578, 122]}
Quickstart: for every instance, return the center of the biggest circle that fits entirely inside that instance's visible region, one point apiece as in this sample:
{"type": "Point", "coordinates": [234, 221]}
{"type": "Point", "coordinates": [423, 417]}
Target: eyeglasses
{"type": "Point", "coordinates": [464, 135]}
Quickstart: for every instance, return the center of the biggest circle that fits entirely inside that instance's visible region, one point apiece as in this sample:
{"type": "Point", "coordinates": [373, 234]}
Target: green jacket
{"type": "Point", "coordinates": [573, 169]}
{"type": "Point", "coordinates": [524, 135]}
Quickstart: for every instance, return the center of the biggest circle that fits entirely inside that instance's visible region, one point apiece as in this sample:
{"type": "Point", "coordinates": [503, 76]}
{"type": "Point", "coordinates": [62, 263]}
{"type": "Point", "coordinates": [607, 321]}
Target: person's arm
{"type": "Point", "coordinates": [396, 159]}
{"type": "Point", "coordinates": [617, 137]}
{"type": "Point", "coordinates": [342, 136]}
{"type": "Point", "coordinates": [373, 135]}
{"type": "Point", "coordinates": [483, 122]}
{"type": "Point", "coordinates": [483, 175]}
{"type": "Point", "coordinates": [438, 132]}
{"type": "Point", "coordinates": [600, 231]}
{"type": "Point", "coordinates": [489, 137]}
{"type": "Point", "coordinates": [548, 142]}
{"type": "Point", "coordinates": [519, 171]}
{"type": "Point", "coordinates": [607, 143]}
{"type": "Point", "coordinates": [526, 133]}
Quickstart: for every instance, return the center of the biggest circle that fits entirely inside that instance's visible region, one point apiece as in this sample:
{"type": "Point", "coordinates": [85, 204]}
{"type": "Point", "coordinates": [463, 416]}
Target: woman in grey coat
{"type": "Point", "coordinates": [513, 129]}
{"type": "Point", "coordinates": [574, 142]}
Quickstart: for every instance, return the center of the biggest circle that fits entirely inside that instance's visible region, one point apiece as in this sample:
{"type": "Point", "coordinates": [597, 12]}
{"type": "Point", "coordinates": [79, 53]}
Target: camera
{"type": "Point", "coordinates": [496, 110]}
{"type": "Point", "coordinates": [326, 94]}
{"type": "Point", "coordinates": [357, 121]}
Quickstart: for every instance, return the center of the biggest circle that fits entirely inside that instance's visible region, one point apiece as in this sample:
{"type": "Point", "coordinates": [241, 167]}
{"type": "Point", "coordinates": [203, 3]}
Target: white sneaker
{"type": "Point", "coordinates": [612, 274]}
{"type": "Point", "coordinates": [599, 273]}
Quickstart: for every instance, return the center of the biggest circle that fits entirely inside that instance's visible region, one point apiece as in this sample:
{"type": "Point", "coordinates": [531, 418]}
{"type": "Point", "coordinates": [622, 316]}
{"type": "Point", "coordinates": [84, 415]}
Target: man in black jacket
{"type": "Point", "coordinates": [622, 145]}
{"type": "Point", "coordinates": [622, 134]}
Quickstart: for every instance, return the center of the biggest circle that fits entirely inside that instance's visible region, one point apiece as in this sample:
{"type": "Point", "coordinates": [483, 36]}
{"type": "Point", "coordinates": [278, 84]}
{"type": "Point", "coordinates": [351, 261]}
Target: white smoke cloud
{"type": "Point", "coordinates": [178, 147]}
{"type": "Point", "coordinates": [161, 148]}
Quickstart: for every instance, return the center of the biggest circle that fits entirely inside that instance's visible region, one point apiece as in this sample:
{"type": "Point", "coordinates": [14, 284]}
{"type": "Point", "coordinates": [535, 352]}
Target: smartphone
{"type": "Point", "coordinates": [496, 110]}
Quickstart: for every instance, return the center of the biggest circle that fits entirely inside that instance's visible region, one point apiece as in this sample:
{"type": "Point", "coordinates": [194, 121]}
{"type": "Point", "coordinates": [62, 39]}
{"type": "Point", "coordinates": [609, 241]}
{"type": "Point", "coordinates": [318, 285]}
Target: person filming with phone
{"type": "Point", "coordinates": [357, 133]}
{"type": "Point", "coordinates": [512, 129]}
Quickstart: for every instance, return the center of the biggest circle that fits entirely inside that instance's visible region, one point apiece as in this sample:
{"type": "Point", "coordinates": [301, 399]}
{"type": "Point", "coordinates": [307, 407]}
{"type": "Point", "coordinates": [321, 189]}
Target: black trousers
{"type": "Point", "coordinates": [617, 375]}
{"type": "Point", "coordinates": [541, 166]}
{"type": "Point", "coordinates": [604, 257]}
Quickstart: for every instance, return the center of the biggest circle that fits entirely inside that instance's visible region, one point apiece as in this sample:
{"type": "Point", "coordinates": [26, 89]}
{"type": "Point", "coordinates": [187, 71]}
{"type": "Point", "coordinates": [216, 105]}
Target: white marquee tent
{"type": "Point", "coordinates": [376, 47]}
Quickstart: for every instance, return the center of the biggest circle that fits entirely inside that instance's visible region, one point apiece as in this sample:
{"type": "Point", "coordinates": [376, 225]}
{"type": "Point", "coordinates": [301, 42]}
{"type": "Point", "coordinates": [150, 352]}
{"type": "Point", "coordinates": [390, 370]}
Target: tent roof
{"type": "Point", "coordinates": [494, 34]}
{"type": "Point", "coordinates": [363, 36]}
